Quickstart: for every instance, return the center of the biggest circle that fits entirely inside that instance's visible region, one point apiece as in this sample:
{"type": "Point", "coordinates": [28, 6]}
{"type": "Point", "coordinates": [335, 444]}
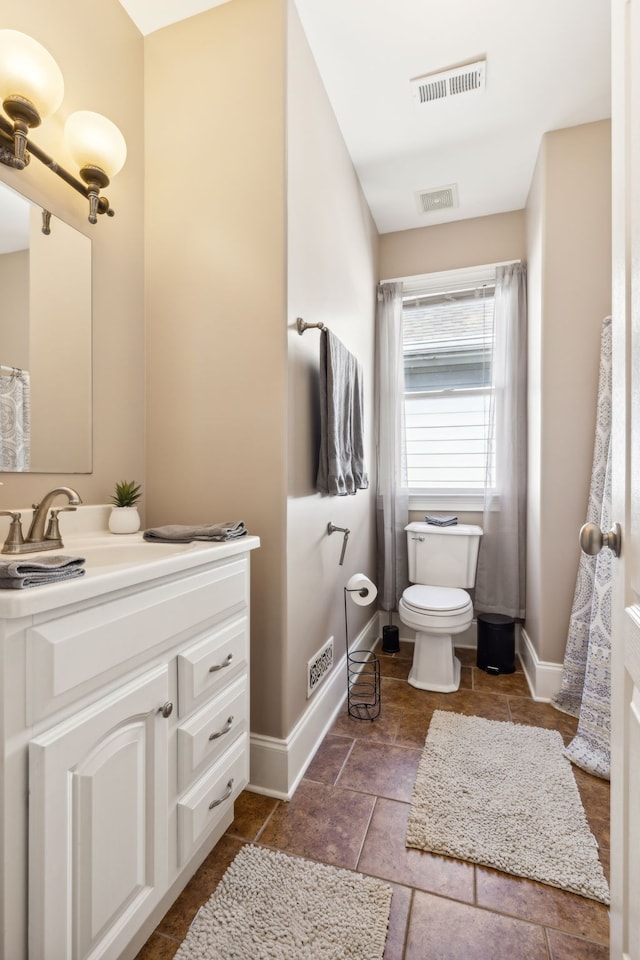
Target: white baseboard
{"type": "Point", "coordinates": [544, 678]}
{"type": "Point", "coordinates": [277, 766]}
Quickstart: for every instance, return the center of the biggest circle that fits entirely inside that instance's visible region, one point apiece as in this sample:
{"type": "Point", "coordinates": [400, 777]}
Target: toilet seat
{"type": "Point", "coordinates": [436, 610]}
{"type": "Point", "coordinates": [437, 601]}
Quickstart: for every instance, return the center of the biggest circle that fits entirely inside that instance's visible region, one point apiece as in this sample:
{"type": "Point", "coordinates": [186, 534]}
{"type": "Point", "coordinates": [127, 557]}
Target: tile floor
{"type": "Point", "coordinates": [350, 810]}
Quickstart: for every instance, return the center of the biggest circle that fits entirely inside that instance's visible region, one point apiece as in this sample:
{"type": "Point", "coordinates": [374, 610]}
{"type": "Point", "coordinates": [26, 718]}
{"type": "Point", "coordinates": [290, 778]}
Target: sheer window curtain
{"type": "Point", "coordinates": [392, 502]}
{"type": "Point", "coordinates": [500, 581]}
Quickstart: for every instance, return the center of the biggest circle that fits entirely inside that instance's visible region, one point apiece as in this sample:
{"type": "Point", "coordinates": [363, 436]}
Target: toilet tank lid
{"type": "Point", "coordinates": [457, 530]}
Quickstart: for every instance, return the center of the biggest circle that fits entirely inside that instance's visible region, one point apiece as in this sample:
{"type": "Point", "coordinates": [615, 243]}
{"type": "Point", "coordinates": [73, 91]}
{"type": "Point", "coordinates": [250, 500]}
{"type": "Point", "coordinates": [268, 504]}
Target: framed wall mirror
{"type": "Point", "coordinates": [45, 341]}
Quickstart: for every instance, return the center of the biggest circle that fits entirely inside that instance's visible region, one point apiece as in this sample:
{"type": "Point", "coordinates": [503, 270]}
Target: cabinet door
{"type": "Point", "coordinates": [98, 823]}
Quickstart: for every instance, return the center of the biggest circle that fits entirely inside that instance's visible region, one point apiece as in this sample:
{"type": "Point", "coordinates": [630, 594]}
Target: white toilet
{"type": "Point", "coordinates": [442, 560]}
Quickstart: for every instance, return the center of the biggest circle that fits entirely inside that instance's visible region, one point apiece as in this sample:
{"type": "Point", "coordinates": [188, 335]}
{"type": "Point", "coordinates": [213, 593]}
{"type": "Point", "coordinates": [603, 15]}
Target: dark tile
{"type": "Point", "coordinates": [564, 947]}
{"type": "Point", "coordinates": [403, 696]}
{"type": "Point", "coordinates": [474, 703]}
{"type": "Point", "coordinates": [456, 931]}
{"type": "Point", "coordinates": [321, 822]}
{"type": "Point", "coordinates": [534, 714]}
{"type": "Point", "coordinates": [381, 769]}
{"type": "Point", "coordinates": [159, 947]}
{"type": "Point", "coordinates": [595, 792]}
{"type": "Point", "coordinates": [383, 728]}
{"type": "Point", "coordinates": [413, 727]}
{"type": "Point", "coordinates": [398, 922]}
{"type": "Point", "coordinates": [542, 904]}
{"type": "Point", "coordinates": [250, 813]}
{"type": "Point", "coordinates": [466, 678]}
{"type": "Point", "coordinates": [393, 666]}
{"type": "Point", "coordinates": [385, 855]}
{"type": "Point", "coordinates": [506, 684]}
{"type": "Point", "coordinates": [404, 653]}
{"type": "Point", "coordinates": [329, 759]}
{"type": "Point", "coordinates": [466, 655]}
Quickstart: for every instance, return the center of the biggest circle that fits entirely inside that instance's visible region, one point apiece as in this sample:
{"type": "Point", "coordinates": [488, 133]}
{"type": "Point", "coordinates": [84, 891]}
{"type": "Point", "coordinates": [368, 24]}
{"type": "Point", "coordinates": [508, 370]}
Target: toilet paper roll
{"type": "Point", "coordinates": [361, 590]}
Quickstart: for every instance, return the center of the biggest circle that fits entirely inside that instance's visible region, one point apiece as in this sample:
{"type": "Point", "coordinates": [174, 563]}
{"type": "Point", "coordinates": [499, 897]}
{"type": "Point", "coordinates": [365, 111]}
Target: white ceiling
{"type": "Point", "coordinates": [547, 67]}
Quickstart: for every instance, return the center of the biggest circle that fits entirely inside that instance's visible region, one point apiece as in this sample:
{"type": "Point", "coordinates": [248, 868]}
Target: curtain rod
{"type": "Point", "coordinates": [10, 371]}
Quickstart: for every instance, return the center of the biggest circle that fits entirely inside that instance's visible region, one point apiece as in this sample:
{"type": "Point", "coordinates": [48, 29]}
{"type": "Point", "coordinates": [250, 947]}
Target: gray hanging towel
{"type": "Point", "coordinates": [341, 466]}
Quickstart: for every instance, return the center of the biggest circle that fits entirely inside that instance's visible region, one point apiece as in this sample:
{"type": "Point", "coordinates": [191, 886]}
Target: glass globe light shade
{"type": "Point", "coordinates": [28, 70]}
{"type": "Point", "coordinates": [94, 141]}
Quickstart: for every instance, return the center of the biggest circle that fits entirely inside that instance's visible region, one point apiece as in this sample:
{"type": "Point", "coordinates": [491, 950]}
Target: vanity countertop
{"type": "Point", "coordinates": [114, 562]}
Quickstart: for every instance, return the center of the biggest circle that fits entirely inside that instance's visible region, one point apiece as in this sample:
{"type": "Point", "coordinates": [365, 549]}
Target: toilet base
{"type": "Point", "coordinates": [435, 666]}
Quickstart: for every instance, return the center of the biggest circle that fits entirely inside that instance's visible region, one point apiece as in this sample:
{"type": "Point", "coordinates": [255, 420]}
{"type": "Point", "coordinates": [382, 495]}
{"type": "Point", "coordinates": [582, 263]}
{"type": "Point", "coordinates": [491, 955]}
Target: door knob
{"type": "Point", "coordinates": [592, 539]}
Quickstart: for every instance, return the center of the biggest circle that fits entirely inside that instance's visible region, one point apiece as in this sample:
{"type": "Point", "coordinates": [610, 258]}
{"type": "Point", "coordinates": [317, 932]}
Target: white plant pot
{"type": "Point", "coordinates": [124, 520]}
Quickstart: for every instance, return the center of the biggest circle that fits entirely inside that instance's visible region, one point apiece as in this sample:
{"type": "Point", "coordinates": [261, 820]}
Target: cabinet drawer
{"type": "Point", "coordinates": [209, 665]}
{"type": "Point", "coordinates": [77, 653]}
{"type": "Point", "coordinates": [210, 731]}
{"type": "Point", "coordinates": [209, 799]}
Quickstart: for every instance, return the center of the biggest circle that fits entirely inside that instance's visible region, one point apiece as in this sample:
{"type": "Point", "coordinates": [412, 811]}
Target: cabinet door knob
{"type": "Point", "coordinates": [225, 796]}
{"type": "Point", "coordinates": [219, 666]}
{"type": "Point", "coordinates": [167, 709]}
{"type": "Point", "coordinates": [225, 729]}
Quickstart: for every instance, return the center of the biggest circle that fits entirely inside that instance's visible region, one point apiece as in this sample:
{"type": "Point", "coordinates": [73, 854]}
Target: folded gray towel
{"type": "Point", "coordinates": [181, 533]}
{"type": "Point", "coordinates": [20, 574]}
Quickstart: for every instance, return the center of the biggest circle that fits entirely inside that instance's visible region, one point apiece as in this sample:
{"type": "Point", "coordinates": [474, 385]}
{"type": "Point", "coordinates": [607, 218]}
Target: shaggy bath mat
{"type": "Point", "coordinates": [503, 795]}
{"type": "Point", "coordinates": [270, 906]}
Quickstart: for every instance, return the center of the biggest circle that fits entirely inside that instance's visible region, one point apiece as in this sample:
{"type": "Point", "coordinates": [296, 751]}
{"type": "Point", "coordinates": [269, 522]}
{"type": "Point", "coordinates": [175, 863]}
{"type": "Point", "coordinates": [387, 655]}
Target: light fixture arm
{"type": "Point", "coordinates": [91, 190]}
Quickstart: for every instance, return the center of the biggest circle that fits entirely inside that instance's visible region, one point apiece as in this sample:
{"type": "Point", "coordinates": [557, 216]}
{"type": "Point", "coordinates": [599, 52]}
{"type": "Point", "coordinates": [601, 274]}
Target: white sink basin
{"type": "Point", "coordinates": [127, 553]}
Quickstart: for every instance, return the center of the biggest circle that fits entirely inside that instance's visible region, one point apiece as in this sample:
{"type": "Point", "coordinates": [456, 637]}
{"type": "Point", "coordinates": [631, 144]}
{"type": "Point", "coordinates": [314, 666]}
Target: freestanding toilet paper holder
{"type": "Point", "coordinates": [363, 667]}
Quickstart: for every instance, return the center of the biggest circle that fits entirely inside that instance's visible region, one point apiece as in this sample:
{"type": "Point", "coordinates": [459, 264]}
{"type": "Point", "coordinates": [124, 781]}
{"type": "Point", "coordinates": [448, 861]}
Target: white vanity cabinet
{"type": "Point", "coordinates": [126, 725]}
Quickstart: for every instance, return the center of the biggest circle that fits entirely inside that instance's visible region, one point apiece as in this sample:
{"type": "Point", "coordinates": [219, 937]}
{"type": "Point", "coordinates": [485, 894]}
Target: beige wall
{"type": "Point", "coordinates": [14, 321]}
{"type": "Point", "coordinates": [450, 246]}
{"type": "Point", "coordinates": [215, 288]}
{"type": "Point", "coordinates": [87, 53]}
{"type": "Point", "coordinates": [569, 239]}
{"type": "Point", "coordinates": [332, 264]}
{"type": "Point", "coordinates": [60, 355]}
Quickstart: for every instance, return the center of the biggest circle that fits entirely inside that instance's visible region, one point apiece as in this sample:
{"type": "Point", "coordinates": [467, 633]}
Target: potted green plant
{"type": "Point", "coordinates": [124, 517]}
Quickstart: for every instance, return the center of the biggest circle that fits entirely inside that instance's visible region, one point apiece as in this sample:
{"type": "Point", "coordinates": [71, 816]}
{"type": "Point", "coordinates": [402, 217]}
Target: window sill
{"type": "Point", "coordinates": [464, 503]}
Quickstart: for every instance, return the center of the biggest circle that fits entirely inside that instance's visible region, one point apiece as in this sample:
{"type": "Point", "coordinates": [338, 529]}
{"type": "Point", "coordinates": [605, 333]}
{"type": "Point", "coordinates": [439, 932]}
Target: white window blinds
{"type": "Point", "coordinates": [448, 346]}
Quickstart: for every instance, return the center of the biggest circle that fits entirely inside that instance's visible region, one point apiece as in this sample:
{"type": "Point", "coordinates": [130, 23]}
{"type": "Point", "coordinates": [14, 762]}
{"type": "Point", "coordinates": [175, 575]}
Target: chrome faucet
{"type": "Point", "coordinates": [37, 539]}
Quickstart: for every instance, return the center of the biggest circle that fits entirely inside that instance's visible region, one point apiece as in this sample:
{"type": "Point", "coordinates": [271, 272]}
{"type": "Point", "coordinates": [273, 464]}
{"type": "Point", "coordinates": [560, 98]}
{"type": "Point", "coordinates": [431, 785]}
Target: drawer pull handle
{"type": "Point", "coordinates": [225, 729]}
{"type": "Point", "coordinates": [166, 709]}
{"type": "Point", "coordinates": [225, 796]}
{"type": "Point", "coordinates": [220, 666]}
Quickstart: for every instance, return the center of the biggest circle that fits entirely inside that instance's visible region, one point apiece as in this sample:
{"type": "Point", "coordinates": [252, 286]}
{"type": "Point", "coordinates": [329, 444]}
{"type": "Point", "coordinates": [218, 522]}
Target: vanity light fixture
{"type": "Point", "coordinates": [31, 89]}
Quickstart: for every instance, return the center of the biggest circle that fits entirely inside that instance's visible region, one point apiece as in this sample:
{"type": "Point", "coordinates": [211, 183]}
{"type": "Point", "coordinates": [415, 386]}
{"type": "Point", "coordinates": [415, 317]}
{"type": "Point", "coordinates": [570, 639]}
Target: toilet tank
{"type": "Point", "coordinates": [443, 556]}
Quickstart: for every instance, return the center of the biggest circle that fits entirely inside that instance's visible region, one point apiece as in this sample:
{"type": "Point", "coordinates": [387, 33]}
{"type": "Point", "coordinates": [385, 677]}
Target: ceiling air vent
{"type": "Point", "coordinates": [438, 198]}
{"type": "Point", "coordinates": [469, 78]}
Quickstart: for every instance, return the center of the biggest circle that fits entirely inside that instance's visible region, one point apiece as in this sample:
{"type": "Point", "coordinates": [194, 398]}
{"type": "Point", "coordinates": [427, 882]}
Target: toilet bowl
{"type": "Point", "coordinates": [442, 561]}
{"type": "Point", "coordinates": [437, 614]}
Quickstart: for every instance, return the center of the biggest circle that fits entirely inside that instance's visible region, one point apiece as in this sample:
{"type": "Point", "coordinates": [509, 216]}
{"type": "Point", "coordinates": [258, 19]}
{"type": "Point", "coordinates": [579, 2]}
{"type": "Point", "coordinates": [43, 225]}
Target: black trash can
{"type": "Point", "coordinates": [390, 639]}
{"type": "Point", "coordinates": [496, 643]}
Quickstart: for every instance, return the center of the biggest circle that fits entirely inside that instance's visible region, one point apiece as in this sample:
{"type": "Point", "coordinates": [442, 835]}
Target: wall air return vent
{"type": "Point", "coordinates": [469, 78]}
{"type": "Point", "coordinates": [438, 198]}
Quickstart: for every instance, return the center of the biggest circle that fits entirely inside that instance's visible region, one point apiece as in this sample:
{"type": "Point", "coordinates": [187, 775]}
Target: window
{"type": "Point", "coordinates": [448, 348]}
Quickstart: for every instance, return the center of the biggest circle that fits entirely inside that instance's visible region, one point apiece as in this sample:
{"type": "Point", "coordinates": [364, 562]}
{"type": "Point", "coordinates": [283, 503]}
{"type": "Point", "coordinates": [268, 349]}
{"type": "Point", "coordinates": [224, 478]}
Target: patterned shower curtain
{"type": "Point", "coordinates": [15, 424]}
{"type": "Point", "coordinates": [586, 681]}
